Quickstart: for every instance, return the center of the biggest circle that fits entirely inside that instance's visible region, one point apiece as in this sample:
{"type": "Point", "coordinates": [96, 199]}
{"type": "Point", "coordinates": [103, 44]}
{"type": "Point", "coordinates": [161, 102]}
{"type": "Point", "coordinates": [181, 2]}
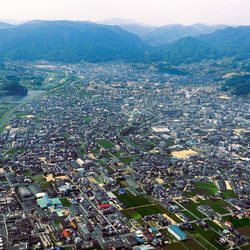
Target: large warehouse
{"type": "Point", "coordinates": [24, 192]}
{"type": "Point", "coordinates": [177, 233]}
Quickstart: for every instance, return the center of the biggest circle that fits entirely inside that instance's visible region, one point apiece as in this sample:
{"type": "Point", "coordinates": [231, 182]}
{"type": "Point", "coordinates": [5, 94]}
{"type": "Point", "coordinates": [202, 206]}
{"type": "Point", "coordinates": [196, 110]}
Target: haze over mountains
{"type": "Point", "coordinates": [70, 41]}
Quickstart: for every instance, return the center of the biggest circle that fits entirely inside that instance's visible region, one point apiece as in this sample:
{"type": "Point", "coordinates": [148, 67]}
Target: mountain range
{"type": "Point", "coordinates": [69, 41]}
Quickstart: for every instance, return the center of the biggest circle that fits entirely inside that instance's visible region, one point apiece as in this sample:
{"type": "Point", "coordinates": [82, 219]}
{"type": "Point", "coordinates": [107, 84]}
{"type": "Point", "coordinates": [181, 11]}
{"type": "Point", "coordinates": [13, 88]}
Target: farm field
{"type": "Point", "coordinates": [106, 144]}
{"type": "Point", "coordinates": [131, 200]}
{"type": "Point", "coordinates": [237, 222]}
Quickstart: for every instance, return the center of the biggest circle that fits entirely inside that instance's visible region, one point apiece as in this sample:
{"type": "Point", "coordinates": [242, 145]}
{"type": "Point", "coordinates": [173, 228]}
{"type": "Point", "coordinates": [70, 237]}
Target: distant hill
{"type": "Point", "coordinates": [120, 21]}
{"type": "Point", "coordinates": [187, 49]}
{"type": "Point", "coordinates": [70, 42]}
{"type": "Point", "coordinates": [170, 33]}
{"type": "Point", "coordinates": [240, 85]}
{"type": "Point", "coordinates": [4, 25]}
{"type": "Point", "coordinates": [138, 29]}
{"type": "Point", "coordinates": [230, 42]}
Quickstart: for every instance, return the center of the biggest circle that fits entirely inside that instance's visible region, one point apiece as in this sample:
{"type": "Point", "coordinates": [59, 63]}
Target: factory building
{"type": "Point", "coordinates": [24, 192]}
{"type": "Point", "coordinates": [177, 233]}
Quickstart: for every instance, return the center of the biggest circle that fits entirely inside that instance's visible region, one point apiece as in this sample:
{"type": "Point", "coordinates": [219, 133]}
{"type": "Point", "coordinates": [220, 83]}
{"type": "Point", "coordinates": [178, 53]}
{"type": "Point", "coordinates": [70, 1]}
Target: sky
{"type": "Point", "coordinates": [152, 12]}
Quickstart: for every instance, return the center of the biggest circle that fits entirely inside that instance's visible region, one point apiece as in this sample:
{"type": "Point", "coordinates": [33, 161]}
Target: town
{"type": "Point", "coordinates": [122, 156]}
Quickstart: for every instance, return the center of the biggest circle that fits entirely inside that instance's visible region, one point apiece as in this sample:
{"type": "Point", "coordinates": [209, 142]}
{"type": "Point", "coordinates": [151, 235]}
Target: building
{"type": "Point", "coordinates": [177, 233]}
{"type": "Point", "coordinates": [24, 192]}
{"type": "Point", "coordinates": [84, 232]}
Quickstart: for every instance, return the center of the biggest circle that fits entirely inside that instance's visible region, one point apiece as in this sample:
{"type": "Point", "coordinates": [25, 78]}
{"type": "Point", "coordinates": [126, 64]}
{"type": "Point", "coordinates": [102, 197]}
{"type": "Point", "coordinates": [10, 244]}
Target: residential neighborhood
{"type": "Point", "coordinates": [120, 156]}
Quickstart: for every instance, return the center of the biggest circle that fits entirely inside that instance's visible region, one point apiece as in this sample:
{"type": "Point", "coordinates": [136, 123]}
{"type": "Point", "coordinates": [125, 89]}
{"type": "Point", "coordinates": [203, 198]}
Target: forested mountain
{"type": "Point", "coordinates": [230, 42]}
{"type": "Point", "coordinates": [171, 33]}
{"type": "Point", "coordinates": [70, 42]}
{"type": "Point", "coordinates": [186, 50]}
{"type": "Point", "coordinates": [240, 85]}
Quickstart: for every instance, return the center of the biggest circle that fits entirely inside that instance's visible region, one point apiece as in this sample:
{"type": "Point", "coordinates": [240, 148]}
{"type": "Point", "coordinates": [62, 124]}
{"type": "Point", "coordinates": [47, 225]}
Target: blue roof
{"type": "Point", "coordinates": [141, 240]}
{"type": "Point", "coordinates": [177, 231]}
{"type": "Point", "coordinates": [153, 229]}
{"type": "Point", "coordinates": [46, 199]}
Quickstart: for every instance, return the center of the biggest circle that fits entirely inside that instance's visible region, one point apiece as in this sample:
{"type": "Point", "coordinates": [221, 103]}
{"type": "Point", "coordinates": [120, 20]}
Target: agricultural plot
{"type": "Point", "coordinates": [129, 200]}
{"type": "Point", "coordinates": [65, 202]}
{"type": "Point", "coordinates": [140, 212]}
{"type": "Point", "coordinates": [192, 208]}
{"type": "Point", "coordinates": [42, 181]}
{"type": "Point", "coordinates": [217, 205]}
{"type": "Point", "coordinates": [237, 222]}
{"type": "Point", "coordinates": [214, 225]}
{"type": "Point", "coordinates": [106, 144]}
{"type": "Point", "coordinates": [245, 230]}
{"type": "Point", "coordinates": [210, 238]}
{"type": "Point", "coordinates": [126, 159]}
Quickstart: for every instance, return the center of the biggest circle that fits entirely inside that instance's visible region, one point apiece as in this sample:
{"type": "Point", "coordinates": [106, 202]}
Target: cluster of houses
{"type": "Point", "coordinates": [68, 156]}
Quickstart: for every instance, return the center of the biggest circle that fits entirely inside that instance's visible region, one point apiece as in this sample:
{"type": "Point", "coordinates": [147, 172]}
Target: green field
{"type": "Point", "coordinates": [214, 225]}
{"type": "Point", "coordinates": [140, 212]}
{"type": "Point", "coordinates": [107, 155]}
{"type": "Point", "coordinates": [118, 153]}
{"type": "Point", "coordinates": [99, 179]}
{"type": "Point", "coordinates": [217, 205]}
{"type": "Point", "coordinates": [106, 144]}
{"type": "Point", "coordinates": [237, 222]}
{"type": "Point", "coordinates": [189, 215]}
{"type": "Point", "coordinates": [42, 181]}
{"type": "Point", "coordinates": [106, 166]}
{"type": "Point", "coordinates": [65, 202]}
{"type": "Point", "coordinates": [210, 236]}
{"type": "Point", "coordinates": [132, 201]}
{"type": "Point", "coordinates": [14, 151]}
{"type": "Point", "coordinates": [126, 159]}
{"type": "Point", "coordinates": [192, 208]}
{"type": "Point", "coordinates": [229, 193]}
{"type": "Point", "coordinates": [205, 188]}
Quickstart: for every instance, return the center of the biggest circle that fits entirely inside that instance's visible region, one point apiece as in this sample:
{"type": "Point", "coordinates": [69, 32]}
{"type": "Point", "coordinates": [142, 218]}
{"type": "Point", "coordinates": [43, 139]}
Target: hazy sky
{"type": "Point", "coordinates": [154, 12]}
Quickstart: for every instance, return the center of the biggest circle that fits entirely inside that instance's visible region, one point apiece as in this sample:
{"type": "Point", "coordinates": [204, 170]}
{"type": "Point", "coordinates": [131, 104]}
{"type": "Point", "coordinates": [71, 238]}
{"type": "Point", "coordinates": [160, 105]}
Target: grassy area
{"type": "Point", "coordinates": [3, 179]}
{"type": "Point", "coordinates": [175, 246]}
{"type": "Point", "coordinates": [191, 244]}
{"type": "Point", "coordinates": [99, 179]}
{"type": "Point", "coordinates": [57, 222]}
{"type": "Point", "coordinates": [217, 205]}
{"type": "Point", "coordinates": [106, 166]}
{"type": "Point", "coordinates": [237, 222]}
{"type": "Point", "coordinates": [206, 188]}
{"type": "Point", "coordinates": [229, 193]}
{"type": "Point", "coordinates": [42, 181]}
{"type": "Point", "coordinates": [140, 212]}
{"type": "Point", "coordinates": [65, 202]}
{"type": "Point", "coordinates": [170, 142]}
{"type": "Point", "coordinates": [189, 215]}
{"type": "Point", "coordinates": [65, 134]}
{"type": "Point", "coordinates": [21, 114]}
{"type": "Point", "coordinates": [192, 208]}
{"type": "Point", "coordinates": [130, 200]}
{"type": "Point", "coordinates": [14, 151]}
{"type": "Point", "coordinates": [214, 225]}
{"type": "Point", "coordinates": [118, 153]}
{"type": "Point", "coordinates": [87, 119]}
{"type": "Point", "coordinates": [126, 159]}
{"type": "Point", "coordinates": [210, 236]}
{"type": "Point", "coordinates": [26, 173]}
{"type": "Point", "coordinates": [107, 155]}
{"type": "Point", "coordinates": [106, 144]}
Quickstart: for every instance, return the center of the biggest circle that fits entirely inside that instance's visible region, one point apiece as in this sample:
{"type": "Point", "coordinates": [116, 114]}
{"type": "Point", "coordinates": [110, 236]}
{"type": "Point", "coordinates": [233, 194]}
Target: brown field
{"type": "Point", "coordinates": [245, 230]}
